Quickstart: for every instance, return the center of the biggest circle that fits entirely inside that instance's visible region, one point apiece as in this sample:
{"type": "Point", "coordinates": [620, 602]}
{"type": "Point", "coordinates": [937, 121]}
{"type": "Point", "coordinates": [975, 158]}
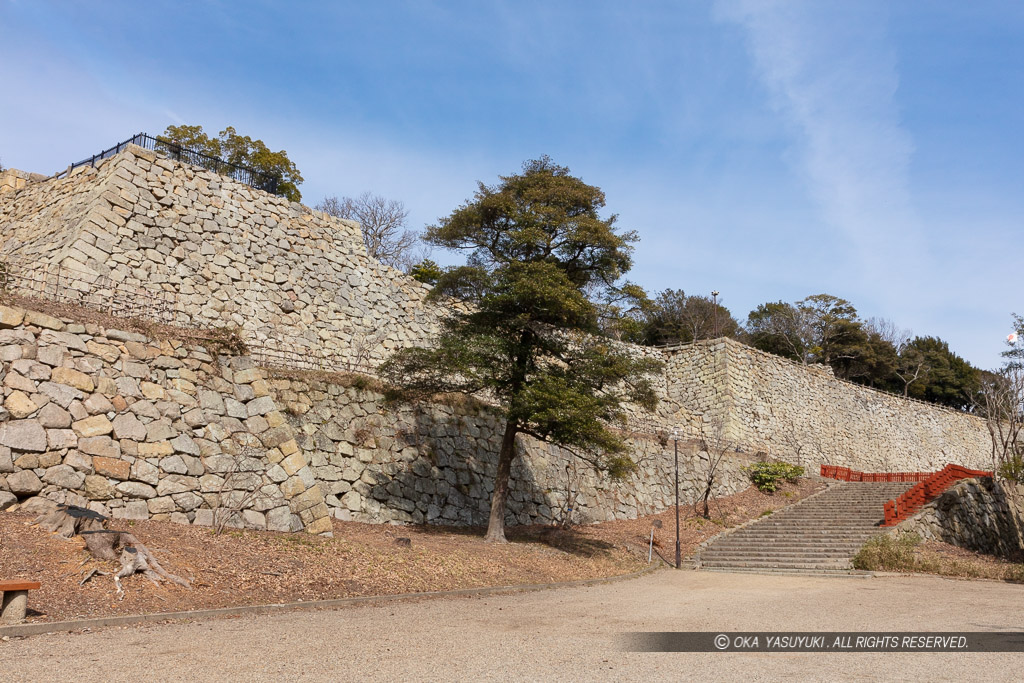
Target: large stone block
{"type": "Point", "coordinates": [73, 378]}
{"type": "Point", "coordinates": [136, 489]}
{"type": "Point", "coordinates": [19, 405]}
{"type": "Point", "coordinates": [97, 425]}
{"type": "Point", "coordinates": [127, 426]}
{"type": "Point", "coordinates": [23, 435]}
{"type": "Point", "coordinates": [64, 477]}
{"type": "Point", "coordinates": [112, 467]}
{"type": "Point", "coordinates": [24, 483]}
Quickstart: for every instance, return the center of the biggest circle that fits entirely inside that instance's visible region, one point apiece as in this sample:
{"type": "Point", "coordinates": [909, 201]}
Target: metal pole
{"type": "Point", "coordinates": [678, 557]}
{"type": "Point", "coordinates": [715, 309]}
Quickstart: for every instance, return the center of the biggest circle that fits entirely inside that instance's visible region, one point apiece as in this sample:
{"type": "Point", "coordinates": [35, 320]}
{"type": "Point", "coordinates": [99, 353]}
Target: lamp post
{"type": "Point", "coordinates": [715, 310]}
{"type": "Point", "coordinates": [675, 439]}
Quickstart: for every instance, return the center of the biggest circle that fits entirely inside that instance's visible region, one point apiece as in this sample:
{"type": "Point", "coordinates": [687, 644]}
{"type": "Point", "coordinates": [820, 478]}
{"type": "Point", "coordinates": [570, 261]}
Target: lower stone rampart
{"type": "Point", "coordinates": [436, 463]}
{"type": "Point", "coordinates": [136, 428]}
{"type": "Point", "coordinates": [977, 514]}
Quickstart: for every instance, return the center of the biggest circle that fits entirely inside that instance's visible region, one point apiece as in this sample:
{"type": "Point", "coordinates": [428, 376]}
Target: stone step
{"type": "Point", "coordinates": [820, 534]}
{"type": "Point", "coordinates": [734, 553]}
{"type": "Point", "coordinates": [769, 564]}
{"type": "Point", "coordinates": [838, 573]}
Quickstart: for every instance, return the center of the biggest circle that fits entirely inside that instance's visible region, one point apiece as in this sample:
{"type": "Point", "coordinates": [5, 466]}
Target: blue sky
{"type": "Point", "coordinates": [769, 150]}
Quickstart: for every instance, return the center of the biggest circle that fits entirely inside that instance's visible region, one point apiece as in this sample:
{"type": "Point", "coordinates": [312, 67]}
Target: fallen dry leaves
{"type": "Point", "coordinates": [250, 568]}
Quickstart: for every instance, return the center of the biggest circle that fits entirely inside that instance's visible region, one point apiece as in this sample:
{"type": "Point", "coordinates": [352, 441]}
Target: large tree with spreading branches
{"type": "Point", "coordinates": [540, 259]}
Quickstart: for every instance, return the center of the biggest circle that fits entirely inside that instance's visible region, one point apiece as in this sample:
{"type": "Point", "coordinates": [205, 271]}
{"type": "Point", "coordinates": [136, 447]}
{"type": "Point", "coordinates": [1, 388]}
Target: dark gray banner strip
{"type": "Point", "coordinates": [801, 641]}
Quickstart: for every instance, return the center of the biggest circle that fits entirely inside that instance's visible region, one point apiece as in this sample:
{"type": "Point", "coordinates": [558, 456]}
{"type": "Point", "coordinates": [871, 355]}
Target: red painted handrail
{"type": "Point", "coordinates": [913, 499]}
{"type": "Point", "coordinates": [929, 486]}
{"type": "Point", "coordinates": [846, 474]}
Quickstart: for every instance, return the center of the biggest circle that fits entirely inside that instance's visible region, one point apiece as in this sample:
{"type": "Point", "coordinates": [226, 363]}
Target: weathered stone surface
{"type": "Point", "coordinates": [57, 439]}
{"type": "Point", "coordinates": [184, 444]}
{"type": "Point", "coordinates": [19, 405]}
{"type": "Point", "coordinates": [64, 476]}
{"type": "Point", "coordinates": [52, 416]}
{"type": "Point", "coordinates": [100, 445]}
{"type": "Point", "coordinates": [23, 435]}
{"type": "Point", "coordinates": [152, 391]}
{"type": "Point", "coordinates": [73, 378]}
{"type": "Point", "coordinates": [6, 460]}
{"type": "Point", "coordinates": [42, 320]}
{"type": "Point", "coordinates": [24, 483]}
{"type": "Point", "coordinates": [260, 406]}
{"type": "Point", "coordinates": [155, 450]}
{"type": "Point", "coordinates": [79, 461]}
{"type": "Point", "coordinates": [136, 489]}
{"type": "Point", "coordinates": [133, 509]}
{"type": "Point", "coordinates": [11, 317]}
{"type": "Point", "coordinates": [7, 499]}
{"type": "Point", "coordinates": [60, 394]}
{"type": "Point", "coordinates": [176, 483]}
{"type": "Point", "coordinates": [127, 426]}
{"type": "Point", "coordinates": [173, 465]}
{"type": "Point", "coordinates": [162, 505]}
{"type": "Point", "coordinates": [111, 467]}
{"type": "Point", "coordinates": [145, 472]}
{"type": "Point", "coordinates": [98, 403]}
{"type": "Point", "coordinates": [98, 487]}
{"type": "Point", "coordinates": [159, 431]}
{"type": "Point", "coordinates": [97, 425]}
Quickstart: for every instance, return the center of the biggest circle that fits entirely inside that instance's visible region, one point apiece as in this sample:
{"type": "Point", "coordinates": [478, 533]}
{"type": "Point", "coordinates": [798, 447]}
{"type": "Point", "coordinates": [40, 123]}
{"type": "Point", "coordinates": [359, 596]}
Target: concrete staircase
{"type": "Point", "coordinates": [819, 535]}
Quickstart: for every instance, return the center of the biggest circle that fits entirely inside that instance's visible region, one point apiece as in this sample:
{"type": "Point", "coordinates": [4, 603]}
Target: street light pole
{"type": "Point", "coordinates": [675, 434]}
{"type": "Point", "coordinates": [715, 295]}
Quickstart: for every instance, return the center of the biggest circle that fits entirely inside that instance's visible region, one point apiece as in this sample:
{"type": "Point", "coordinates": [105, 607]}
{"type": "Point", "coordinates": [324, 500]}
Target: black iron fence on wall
{"type": "Point", "coordinates": [252, 178]}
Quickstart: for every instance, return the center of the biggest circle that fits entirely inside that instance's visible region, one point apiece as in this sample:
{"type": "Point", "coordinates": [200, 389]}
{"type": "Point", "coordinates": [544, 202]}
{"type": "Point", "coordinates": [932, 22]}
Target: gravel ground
{"type": "Point", "coordinates": [567, 634]}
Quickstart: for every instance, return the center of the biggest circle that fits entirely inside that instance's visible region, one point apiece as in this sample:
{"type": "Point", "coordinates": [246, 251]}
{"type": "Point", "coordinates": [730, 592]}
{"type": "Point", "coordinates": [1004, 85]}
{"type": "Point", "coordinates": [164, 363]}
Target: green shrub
{"type": "Point", "coordinates": [888, 553]}
{"type": "Point", "coordinates": [767, 476]}
{"type": "Point", "coordinates": [1012, 469]}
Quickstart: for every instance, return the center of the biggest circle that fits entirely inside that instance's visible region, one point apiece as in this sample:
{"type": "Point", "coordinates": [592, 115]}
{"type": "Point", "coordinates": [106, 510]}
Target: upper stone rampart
{"type": "Point", "coordinates": [292, 278]}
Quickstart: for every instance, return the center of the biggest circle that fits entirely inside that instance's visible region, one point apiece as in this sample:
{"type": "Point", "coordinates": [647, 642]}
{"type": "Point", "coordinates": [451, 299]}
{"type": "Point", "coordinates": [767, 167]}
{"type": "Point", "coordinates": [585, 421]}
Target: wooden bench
{"type": "Point", "coordinates": [15, 600]}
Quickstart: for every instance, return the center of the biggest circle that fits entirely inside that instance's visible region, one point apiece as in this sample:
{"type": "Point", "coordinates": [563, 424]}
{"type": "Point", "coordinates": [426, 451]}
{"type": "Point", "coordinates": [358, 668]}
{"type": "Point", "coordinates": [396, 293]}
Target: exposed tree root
{"type": "Point", "coordinates": [107, 544]}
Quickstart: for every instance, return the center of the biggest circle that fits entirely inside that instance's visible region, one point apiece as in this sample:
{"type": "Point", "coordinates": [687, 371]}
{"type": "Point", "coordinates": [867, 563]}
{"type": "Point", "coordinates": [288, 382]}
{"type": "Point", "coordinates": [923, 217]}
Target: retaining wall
{"type": "Point", "coordinates": [978, 514]}
{"type": "Point", "coordinates": [135, 428]}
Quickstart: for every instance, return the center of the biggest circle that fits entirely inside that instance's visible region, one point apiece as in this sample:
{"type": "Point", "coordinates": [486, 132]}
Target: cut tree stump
{"type": "Point", "coordinates": [107, 544]}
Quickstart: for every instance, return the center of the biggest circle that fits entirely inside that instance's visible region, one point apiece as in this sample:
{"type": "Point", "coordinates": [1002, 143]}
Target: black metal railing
{"type": "Point", "coordinates": [172, 150]}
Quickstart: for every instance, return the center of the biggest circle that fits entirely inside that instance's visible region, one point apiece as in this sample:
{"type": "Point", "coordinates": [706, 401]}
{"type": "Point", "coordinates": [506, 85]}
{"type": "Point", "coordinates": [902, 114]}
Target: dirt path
{"type": "Point", "coordinates": [566, 634]}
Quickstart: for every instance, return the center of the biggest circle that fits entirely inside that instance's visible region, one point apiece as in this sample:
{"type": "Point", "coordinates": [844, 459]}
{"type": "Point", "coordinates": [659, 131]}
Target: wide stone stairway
{"type": "Point", "coordinates": [820, 534]}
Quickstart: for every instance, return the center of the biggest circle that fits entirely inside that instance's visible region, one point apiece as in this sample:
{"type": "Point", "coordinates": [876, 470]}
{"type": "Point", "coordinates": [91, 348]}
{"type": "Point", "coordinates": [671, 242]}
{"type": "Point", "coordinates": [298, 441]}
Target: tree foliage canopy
{"type": "Point", "coordinates": [674, 317]}
{"type": "Point", "coordinates": [241, 150]}
{"type": "Point", "coordinates": [538, 255]}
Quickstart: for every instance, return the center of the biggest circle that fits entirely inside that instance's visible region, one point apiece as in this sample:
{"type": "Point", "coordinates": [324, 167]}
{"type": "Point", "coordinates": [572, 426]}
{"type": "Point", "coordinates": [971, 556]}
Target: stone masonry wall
{"type": "Point", "coordinates": [135, 428]}
{"type": "Point", "coordinates": [978, 514]}
{"type": "Point", "coordinates": [226, 254]}
{"type": "Point", "coordinates": [805, 415]}
{"type": "Point", "coordinates": [436, 463]}
{"type": "Point", "coordinates": [300, 283]}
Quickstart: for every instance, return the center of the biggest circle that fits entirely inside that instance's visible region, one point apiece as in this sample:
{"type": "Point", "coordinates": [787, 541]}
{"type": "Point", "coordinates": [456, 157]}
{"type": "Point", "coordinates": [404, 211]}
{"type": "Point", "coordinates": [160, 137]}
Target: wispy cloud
{"type": "Point", "coordinates": [831, 73]}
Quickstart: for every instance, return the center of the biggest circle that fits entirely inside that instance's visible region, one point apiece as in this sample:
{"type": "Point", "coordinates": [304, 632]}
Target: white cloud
{"type": "Point", "coordinates": [832, 75]}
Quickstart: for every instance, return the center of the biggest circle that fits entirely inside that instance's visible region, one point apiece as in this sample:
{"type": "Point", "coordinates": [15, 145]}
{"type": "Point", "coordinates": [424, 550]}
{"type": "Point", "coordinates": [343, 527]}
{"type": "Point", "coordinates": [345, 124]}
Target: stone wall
{"type": "Point", "coordinates": [436, 463]}
{"type": "Point", "coordinates": [135, 428]}
{"type": "Point", "coordinates": [141, 231]}
{"type": "Point", "coordinates": [978, 514]}
{"type": "Point", "coordinates": [806, 415]}
{"type": "Point", "coordinates": [12, 179]}
{"type": "Point", "coordinates": [226, 254]}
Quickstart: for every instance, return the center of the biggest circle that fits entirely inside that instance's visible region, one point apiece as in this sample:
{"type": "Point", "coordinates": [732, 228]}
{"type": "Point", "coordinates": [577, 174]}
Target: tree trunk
{"type": "Point", "coordinates": [496, 523]}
